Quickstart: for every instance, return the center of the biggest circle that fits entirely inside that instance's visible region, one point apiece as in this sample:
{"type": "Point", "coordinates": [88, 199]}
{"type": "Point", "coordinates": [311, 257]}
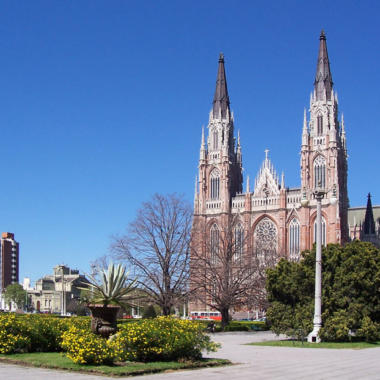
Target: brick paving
{"type": "Point", "coordinates": [253, 362]}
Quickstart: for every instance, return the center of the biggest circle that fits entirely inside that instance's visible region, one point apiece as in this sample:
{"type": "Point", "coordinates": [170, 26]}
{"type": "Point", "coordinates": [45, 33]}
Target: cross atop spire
{"type": "Point", "coordinates": [323, 79]}
{"type": "Point", "coordinates": [221, 102]}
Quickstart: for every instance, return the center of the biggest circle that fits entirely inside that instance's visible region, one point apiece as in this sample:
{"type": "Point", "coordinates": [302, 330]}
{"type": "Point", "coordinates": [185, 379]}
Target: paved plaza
{"type": "Point", "coordinates": [253, 362]}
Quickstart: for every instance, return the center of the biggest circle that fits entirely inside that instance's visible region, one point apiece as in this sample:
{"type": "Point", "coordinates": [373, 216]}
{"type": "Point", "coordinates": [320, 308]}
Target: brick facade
{"type": "Point", "coordinates": [273, 216]}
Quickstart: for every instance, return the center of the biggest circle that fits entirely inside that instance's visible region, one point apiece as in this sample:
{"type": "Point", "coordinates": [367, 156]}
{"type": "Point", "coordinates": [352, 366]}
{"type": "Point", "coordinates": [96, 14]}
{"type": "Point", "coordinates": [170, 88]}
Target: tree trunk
{"type": "Point", "coordinates": [225, 317]}
{"type": "Point", "coordinates": [166, 310]}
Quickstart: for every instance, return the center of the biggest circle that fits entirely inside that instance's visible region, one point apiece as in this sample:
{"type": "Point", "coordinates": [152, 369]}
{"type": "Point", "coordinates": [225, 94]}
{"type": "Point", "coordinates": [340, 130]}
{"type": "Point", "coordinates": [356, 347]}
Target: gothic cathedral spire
{"type": "Point", "coordinates": [220, 164]}
{"type": "Point", "coordinates": [323, 83]}
{"type": "Point", "coordinates": [221, 103]}
{"type": "Point", "coordinates": [323, 150]}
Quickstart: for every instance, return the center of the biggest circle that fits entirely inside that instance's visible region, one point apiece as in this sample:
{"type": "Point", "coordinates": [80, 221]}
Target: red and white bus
{"type": "Point", "coordinates": [215, 315]}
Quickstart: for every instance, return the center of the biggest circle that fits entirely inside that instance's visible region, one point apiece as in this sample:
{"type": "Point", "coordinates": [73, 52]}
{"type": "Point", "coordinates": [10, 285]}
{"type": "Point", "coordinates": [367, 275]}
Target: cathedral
{"type": "Point", "coordinates": [276, 219]}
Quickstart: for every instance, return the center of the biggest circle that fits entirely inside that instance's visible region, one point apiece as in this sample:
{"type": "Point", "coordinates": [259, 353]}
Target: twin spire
{"type": "Point", "coordinates": [221, 102]}
{"type": "Point", "coordinates": [323, 83]}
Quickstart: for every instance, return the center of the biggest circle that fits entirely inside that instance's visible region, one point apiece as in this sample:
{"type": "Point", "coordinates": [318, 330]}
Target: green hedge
{"type": "Point", "coordinates": [237, 325]}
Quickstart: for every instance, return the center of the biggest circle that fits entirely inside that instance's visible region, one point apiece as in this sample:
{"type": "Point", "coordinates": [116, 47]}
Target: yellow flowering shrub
{"type": "Point", "coordinates": [35, 332]}
{"type": "Point", "coordinates": [84, 347]}
{"type": "Point", "coordinates": [162, 338]}
{"type": "Point", "coordinates": [13, 335]}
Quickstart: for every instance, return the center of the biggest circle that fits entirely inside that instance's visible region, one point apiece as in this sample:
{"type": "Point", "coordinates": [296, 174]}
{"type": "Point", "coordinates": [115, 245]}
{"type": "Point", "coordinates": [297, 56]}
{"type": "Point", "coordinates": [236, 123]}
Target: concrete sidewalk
{"type": "Point", "coordinates": [253, 362]}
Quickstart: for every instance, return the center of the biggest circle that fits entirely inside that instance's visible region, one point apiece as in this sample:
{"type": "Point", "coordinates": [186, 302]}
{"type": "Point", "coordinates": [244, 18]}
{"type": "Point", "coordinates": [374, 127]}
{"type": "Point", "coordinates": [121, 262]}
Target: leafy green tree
{"type": "Point", "coordinates": [350, 293]}
{"type": "Point", "coordinates": [15, 293]}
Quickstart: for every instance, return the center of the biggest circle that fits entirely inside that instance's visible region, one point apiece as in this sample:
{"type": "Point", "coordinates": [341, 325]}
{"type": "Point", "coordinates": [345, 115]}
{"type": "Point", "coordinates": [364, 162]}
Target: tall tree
{"type": "Point", "coordinates": [156, 246]}
{"type": "Point", "coordinates": [350, 292]}
{"type": "Point", "coordinates": [15, 293]}
{"type": "Point", "coordinates": [226, 272]}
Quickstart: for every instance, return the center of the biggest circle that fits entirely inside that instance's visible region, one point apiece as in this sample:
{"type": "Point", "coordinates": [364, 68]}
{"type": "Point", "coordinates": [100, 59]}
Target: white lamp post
{"type": "Point", "coordinates": [319, 194]}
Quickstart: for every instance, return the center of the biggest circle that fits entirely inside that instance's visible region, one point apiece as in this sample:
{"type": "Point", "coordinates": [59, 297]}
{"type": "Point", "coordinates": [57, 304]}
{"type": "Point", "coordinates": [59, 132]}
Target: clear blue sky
{"type": "Point", "coordinates": [102, 103]}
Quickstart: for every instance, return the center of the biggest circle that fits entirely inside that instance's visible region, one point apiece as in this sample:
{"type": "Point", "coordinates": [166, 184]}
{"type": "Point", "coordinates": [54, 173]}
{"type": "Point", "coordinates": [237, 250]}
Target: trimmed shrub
{"type": "Point", "coordinates": [369, 330]}
{"type": "Point", "coordinates": [38, 332]}
{"type": "Point", "coordinates": [337, 327]}
{"type": "Point", "coordinates": [162, 338]}
{"type": "Point", "coordinates": [85, 347]}
{"type": "Point", "coordinates": [14, 335]}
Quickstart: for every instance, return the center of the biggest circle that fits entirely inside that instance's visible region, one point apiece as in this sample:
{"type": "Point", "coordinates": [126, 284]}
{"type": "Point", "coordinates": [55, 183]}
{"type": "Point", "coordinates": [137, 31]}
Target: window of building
{"type": "Point", "coordinates": [319, 125]}
{"type": "Point", "coordinates": [213, 290]}
{"type": "Point", "coordinates": [265, 240]}
{"type": "Point", "coordinates": [214, 244]}
{"type": "Point", "coordinates": [215, 140]}
{"type": "Point", "coordinates": [214, 184]}
{"type": "Point", "coordinates": [323, 231]}
{"type": "Point", "coordinates": [239, 238]}
{"type": "Point", "coordinates": [320, 172]}
{"type": "Point", "coordinates": [294, 240]}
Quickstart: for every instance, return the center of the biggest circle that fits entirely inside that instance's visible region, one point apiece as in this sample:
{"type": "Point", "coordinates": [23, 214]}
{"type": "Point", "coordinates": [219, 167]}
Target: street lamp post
{"type": "Point", "coordinates": [313, 337]}
{"type": "Point", "coordinates": [319, 194]}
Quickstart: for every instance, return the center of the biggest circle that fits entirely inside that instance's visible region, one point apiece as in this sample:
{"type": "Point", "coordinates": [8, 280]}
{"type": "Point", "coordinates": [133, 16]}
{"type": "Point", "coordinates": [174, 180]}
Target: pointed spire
{"type": "Point", "coordinates": [323, 79]}
{"type": "Point", "coordinates": [305, 132]}
{"type": "Point", "coordinates": [282, 180]}
{"type": "Point", "coordinates": [196, 188]}
{"type": "Point", "coordinates": [343, 133]}
{"type": "Point", "coordinates": [304, 121]}
{"type": "Point", "coordinates": [221, 103]}
{"type": "Point", "coordinates": [369, 222]}
{"type": "Point", "coordinates": [202, 153]}
{"type": "Point", "coordinates": [238, 148]}
{"type": "Point", "coordinates": [247, 190]}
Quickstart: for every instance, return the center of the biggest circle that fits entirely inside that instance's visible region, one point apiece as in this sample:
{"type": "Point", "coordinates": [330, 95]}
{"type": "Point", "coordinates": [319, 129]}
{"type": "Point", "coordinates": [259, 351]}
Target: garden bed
{"type": "Point", "coordinates": [56, 360]}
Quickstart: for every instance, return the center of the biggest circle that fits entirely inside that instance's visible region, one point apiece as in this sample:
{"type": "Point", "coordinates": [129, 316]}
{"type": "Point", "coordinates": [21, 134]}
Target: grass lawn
{"type": "Point", "coordinates": [293, 343]}
{"type": "Point", "coordinates": [60, 361]}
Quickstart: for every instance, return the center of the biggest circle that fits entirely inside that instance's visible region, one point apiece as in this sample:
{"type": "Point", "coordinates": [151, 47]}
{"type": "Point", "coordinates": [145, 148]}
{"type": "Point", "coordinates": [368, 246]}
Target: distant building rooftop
{"type": "Point", "coordinates": [356, 215]}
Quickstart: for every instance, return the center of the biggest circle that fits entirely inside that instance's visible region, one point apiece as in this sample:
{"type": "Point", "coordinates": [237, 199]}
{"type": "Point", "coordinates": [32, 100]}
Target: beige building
{"type": "Point", "coordinates": [53, 293]}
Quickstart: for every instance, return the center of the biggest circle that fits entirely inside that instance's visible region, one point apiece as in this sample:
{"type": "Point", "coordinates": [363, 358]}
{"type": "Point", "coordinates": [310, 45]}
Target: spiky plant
{"type": "Point", "coordinates": [113, 288]}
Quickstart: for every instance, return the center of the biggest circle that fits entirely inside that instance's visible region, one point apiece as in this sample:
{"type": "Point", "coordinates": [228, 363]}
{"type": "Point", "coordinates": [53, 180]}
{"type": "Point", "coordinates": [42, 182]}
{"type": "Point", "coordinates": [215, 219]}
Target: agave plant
{"type": "Point", "coordinates": [113, 287]}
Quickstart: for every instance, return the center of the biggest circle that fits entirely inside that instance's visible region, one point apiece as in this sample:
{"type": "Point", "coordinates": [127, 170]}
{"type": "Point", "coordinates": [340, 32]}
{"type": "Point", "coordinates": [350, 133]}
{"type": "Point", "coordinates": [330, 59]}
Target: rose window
{"type": "Point", "coordinates": [265, 237]}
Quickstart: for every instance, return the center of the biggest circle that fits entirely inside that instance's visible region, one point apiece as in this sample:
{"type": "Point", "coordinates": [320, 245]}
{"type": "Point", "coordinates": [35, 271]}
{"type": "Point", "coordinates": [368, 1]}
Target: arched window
{"type": "Point", "coordinates": [239, 239]}
{"type": "Point", "coordinates": [319, 125]}
{"type": "Point", "coordinates": [320, 172]}
{"type": "Point", "coordinates": [265, 240]}
{"type": "Point", "coordinates": [323, 231]}
{"type": "Point", "coordinates": [294, 240]}
{"type": "Point", "coordinates": [215, 140]}
{"type": "Point", "coordinates": [214, 244]}
{"type": "Point", "coordinates": [214, 184]}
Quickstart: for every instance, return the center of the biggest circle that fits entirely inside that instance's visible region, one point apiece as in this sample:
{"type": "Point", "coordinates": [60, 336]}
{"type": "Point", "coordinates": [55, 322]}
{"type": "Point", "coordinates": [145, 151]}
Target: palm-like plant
{"type": "Point", "coordinates": [113, 288]}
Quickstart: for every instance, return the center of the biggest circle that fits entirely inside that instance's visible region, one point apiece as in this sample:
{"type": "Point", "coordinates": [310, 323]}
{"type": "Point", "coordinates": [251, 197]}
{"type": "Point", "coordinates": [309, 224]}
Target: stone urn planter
{"type": "Point", "coordinates": [103, 321]}
{"type": "Point", "coordinates": [105, 297]}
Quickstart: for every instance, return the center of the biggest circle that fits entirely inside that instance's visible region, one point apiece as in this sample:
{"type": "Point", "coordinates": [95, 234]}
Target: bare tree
{"type": "Point", "coordinates": [226, 271]}
{"type": "Point", "coordinates": [156, 245]}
